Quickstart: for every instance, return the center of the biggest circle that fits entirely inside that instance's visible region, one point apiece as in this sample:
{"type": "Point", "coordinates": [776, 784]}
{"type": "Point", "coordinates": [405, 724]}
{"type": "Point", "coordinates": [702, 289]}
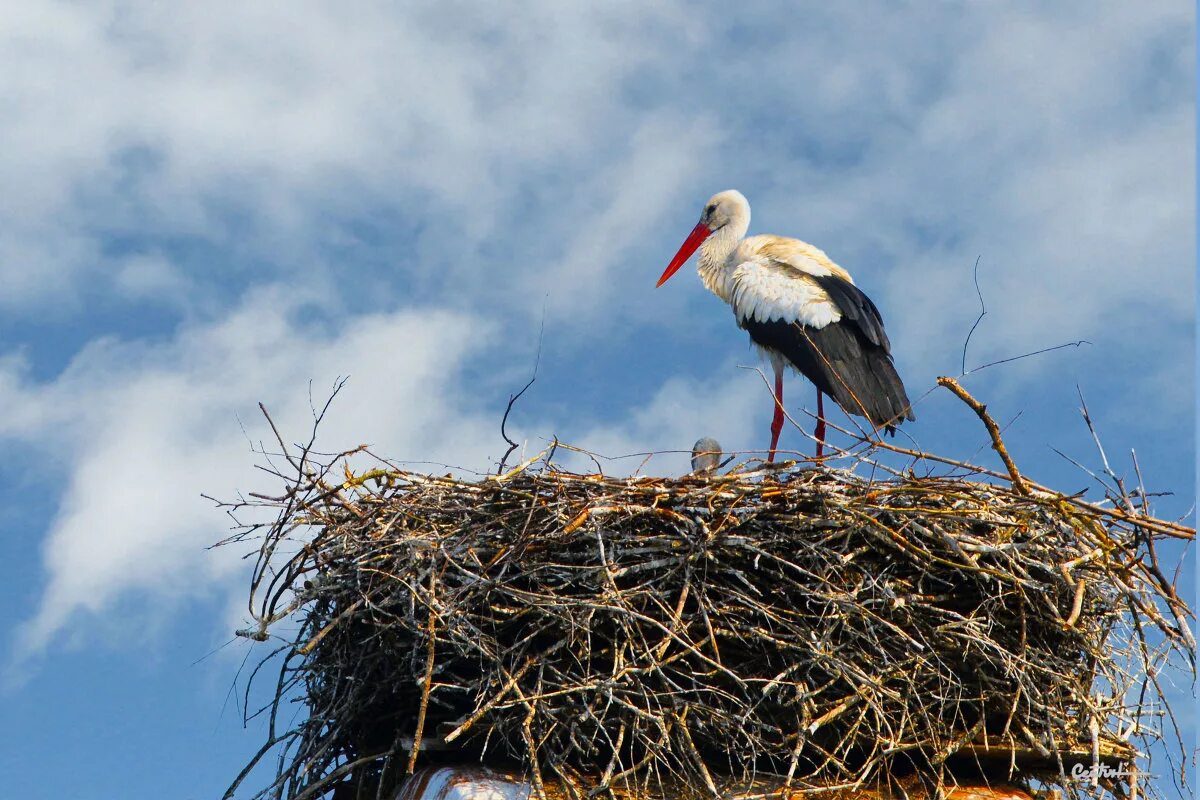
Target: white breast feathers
{"type": "Point", "coordinates": [766, 291]}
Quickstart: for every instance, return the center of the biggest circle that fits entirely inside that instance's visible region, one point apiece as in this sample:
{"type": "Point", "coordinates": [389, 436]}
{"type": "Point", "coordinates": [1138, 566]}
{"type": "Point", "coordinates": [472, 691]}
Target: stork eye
{"type": "Point", "coordinates": [708, 212]}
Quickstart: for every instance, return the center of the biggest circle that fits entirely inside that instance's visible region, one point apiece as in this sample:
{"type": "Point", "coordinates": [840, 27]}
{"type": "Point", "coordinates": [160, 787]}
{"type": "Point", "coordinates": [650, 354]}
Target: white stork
{"type": "Point", "coordinates": [799, 308]}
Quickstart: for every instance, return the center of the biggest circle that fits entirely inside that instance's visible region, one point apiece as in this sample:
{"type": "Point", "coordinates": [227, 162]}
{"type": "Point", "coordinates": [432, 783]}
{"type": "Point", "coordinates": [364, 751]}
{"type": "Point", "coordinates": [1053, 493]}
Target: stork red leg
{"type": "Point", "coordinates": [820, 432]}
{"type": "Point", "coordinates": [777, 420]}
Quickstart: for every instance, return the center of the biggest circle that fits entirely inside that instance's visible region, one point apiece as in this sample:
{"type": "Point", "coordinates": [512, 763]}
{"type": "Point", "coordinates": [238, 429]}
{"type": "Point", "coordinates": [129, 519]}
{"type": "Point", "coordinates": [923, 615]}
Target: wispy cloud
{"type": "Point", "coordinates": [146, 429]}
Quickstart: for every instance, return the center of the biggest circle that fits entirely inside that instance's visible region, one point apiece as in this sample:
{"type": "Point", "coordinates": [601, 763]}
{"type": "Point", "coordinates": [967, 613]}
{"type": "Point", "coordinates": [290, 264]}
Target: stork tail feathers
{"type": "Point", "coordinates": [844, 364]}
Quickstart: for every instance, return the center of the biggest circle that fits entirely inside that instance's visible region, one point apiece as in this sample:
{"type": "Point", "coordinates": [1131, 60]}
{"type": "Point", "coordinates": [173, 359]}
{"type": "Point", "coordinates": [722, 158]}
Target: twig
{"type": "Point", "coordinates": [981, 367]}
{"type": "Point", "coordinates": [1119, 493]}
{"type": "Point", "coordinates": [982, 313]}
{"type": "Point", "coordinates": [993, 430]}
{"type": "Point", "coordinates": [979, 319]}
{"type": "Point", "coordinates": [427, 683]}
{"type": "Point", "coordinates": [504, 421]}
{"type": "Point", "coordinates": [537, 360]}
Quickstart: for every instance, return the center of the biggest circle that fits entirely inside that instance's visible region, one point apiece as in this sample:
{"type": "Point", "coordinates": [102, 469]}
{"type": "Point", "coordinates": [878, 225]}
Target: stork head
{"type": "Point", "coordinates": [706, 455]}
{"type": "Point", "coordinates": [729, 207]}
{"type": "Point", "coordinates": [728, 211]}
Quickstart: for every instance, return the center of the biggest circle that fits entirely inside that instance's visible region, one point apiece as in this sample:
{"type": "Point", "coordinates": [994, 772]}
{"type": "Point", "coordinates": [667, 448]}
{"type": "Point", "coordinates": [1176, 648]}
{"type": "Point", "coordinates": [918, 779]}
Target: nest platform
{"type": "Point", "coordinates": [767, 632]}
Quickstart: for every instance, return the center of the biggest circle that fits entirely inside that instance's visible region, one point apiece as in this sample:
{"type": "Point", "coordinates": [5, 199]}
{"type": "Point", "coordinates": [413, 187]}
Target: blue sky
{"type": "Point", "coordinates": [211, 206]}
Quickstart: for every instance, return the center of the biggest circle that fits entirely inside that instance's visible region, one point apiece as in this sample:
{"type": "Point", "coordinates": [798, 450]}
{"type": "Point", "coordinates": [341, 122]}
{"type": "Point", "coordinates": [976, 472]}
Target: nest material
{"type": "Point", "coordinates": [808, 627]}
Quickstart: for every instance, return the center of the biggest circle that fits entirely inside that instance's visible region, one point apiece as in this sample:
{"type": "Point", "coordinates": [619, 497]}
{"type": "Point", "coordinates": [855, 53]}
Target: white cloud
{"type": "Point", "coordinates": [545, 153]}
{"type": "Point", "coordinates": [152, 276]}
{"type": "Point", "coordinates": [145, 429]}
{"type": "Point", "coordinates": [595, 275]}
{"type": "Point", "coordinates": [248, 127]}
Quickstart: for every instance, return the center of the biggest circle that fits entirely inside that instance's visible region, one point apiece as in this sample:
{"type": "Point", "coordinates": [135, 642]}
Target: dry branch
{"type": "Point", "coordinates": [992, 428]}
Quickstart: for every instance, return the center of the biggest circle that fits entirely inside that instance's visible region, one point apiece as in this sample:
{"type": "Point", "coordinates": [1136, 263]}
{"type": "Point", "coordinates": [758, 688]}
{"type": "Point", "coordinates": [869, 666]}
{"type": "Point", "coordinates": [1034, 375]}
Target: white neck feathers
{"type": "Point", "coordinates": [716, 261]}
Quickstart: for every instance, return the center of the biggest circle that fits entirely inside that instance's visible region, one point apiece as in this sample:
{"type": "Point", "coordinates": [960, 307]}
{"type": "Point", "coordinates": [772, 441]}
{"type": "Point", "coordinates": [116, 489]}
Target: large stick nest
{"type": "Point", "coordinates": [806, 626]}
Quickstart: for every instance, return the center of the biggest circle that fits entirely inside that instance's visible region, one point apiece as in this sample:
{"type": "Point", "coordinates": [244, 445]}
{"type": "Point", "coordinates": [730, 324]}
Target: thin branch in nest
{"type": "Point", "coordinates": [993, 430]}
{"type": "Point", "coordinates": [1118, 491]}
{"type": "Point", "coordinates": [513, 398]}
{"type": "Point", "coordinates": [537, 360]}
{"type": "Point", "coordinates": [427, 681]}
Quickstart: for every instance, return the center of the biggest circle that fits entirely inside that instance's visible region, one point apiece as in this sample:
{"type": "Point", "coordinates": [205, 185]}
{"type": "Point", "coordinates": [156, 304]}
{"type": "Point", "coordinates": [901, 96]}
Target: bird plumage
{"type": "Point", "coordinates": [706, 455]}
{"type": "Point", "coordinates": [802, 309]}
{"type": "Point", "coordinates": [840, 362]}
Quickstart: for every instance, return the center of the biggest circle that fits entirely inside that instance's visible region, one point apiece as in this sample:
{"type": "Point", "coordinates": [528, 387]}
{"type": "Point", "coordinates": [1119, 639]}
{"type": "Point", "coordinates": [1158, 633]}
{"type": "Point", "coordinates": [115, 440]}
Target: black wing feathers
{"type": "Point", "coordinates": [855, 307]}
{"type": "Point", "coordinates": [848, 360]}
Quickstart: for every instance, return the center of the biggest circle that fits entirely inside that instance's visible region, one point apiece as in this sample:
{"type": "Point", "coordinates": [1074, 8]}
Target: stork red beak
{"type": "Point", "coordinates": [698, 235]}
